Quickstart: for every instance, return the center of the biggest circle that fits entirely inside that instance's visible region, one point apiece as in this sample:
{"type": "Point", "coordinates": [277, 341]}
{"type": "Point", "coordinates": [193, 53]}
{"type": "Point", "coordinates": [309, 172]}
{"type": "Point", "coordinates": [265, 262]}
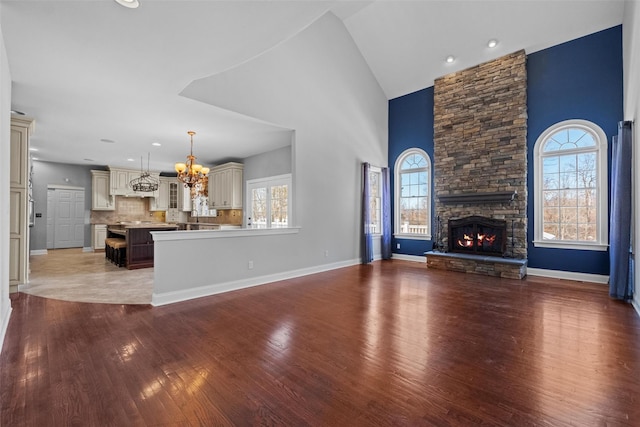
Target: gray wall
{"type": "Point", "coordinates": [271, 163]}
{"type": "Point", "coordinates": [47, 173]}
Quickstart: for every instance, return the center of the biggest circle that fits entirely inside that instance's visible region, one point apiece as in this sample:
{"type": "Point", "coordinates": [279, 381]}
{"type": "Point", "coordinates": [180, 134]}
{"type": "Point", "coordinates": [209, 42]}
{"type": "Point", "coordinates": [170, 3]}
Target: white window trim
{"type": "Point", "coordinates": [378, 170]}
{"type": "Point", "coordinates": [269, 182]}
{"type": "Point", "coordinates": [602, 219]}
{"type": "Point", "coordinates": [396, 196]}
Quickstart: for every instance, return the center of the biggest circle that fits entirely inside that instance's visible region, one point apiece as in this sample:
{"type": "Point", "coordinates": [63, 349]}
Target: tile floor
{"type": "Point", "coordinates": [73, 275]}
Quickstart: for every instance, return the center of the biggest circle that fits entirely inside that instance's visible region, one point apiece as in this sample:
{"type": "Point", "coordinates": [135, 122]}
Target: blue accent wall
{"type": "Point", "coordinates": [580, 79]}
{"type": "Point", "coordinates": [410, 126]}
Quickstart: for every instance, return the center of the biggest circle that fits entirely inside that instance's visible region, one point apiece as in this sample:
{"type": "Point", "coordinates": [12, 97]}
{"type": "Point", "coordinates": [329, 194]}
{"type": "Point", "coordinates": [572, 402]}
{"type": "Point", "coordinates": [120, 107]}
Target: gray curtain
{"type": "Point", "coordinates": [366, 248]}
{"type": "Point", "coordinates": [620, 256]}
{"type": "Point", "coordinates": [386, 215]}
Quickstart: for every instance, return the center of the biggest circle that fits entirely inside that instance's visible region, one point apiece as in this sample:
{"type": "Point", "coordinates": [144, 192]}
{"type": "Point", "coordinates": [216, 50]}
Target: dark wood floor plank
{"type": "Point", "coordinates": [391, 343]}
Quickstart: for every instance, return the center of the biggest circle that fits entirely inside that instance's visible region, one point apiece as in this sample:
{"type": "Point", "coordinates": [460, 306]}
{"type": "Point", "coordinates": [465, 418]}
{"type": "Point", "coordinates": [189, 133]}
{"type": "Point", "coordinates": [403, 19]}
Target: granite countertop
{"type": "Point", "coordinates": [139, 224]}
{"type": "Point", "coordinates": [153, 225]}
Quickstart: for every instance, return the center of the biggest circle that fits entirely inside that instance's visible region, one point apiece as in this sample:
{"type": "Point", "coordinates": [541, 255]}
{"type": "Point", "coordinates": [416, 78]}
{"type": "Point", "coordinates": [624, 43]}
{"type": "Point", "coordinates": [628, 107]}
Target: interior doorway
{"type": "Point", "coordinates": [65, 218]}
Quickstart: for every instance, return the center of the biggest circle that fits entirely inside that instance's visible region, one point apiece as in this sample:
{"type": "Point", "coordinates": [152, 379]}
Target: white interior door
{"type": "Point", "coordinates": [50, 217]}
{"type": "Point", "coordinates": [68, 218]}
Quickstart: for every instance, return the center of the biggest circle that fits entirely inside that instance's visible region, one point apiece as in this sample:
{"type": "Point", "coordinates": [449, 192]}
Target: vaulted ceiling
{"type": "Point", "coordinates": [90, 71]}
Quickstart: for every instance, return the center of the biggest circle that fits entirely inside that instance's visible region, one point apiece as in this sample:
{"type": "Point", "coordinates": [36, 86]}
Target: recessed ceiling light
{"type": "Point", "coordinates": [35, 158]}
{"type": "Point", "coordinates": [131, 4]}
{"type": "Point", "coordinates": [89, 160]}
{"type": "Point", "coordinates": [33, 149]}
{"type": "Point", "coordinates": [492, 43]}
{"type": "Point", "coordinates": [19, 113]}
{"type": "Point", "coordinates": [450, 59]}
{"type": "Point", "coordinates": [108, 141]}
{"type": "Point", "coordinates": [130, 160]}
{"type": "Point", "coordinates": [156, 144]}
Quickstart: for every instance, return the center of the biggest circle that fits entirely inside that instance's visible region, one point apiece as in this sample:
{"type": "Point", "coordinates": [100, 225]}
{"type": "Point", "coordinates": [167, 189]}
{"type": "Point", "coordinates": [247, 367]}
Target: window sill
{"type": "Point", "coordinates": [413, 236]}
{"type": "Point", "coordinates": [570, 245]}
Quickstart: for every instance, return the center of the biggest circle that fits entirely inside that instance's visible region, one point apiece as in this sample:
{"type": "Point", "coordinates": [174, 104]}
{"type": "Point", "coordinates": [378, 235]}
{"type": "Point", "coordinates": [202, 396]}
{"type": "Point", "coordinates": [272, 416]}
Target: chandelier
{"type": "Point", "coordinates": [192, 174]}
{"type": "Point", "coordinates": [145, 183]}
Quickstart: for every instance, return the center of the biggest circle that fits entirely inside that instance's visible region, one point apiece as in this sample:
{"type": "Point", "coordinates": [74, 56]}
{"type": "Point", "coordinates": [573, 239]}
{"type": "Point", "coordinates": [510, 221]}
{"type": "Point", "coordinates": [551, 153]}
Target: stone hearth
{"type": "Point", "coordinates": [508, 268]}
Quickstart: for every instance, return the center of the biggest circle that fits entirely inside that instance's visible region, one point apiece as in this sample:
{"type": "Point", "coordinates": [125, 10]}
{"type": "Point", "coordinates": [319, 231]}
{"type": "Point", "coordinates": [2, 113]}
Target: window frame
{"type": "Point", "coordinates": [602, 186]}
{"type": "Point", "coordinates": [267, 183]}
{"type": "Point", "coordinates": [378, 171]}
{"type": "Point", "coordinates": [397, 191]}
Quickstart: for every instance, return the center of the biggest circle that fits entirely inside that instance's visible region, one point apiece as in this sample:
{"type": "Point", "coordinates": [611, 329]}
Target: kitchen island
{"type": "Point", "coordinates": [140, 247]}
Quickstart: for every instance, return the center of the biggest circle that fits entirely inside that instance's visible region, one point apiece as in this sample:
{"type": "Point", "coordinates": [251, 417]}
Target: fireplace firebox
{"type": "Point", "coordinates": [478, 235]}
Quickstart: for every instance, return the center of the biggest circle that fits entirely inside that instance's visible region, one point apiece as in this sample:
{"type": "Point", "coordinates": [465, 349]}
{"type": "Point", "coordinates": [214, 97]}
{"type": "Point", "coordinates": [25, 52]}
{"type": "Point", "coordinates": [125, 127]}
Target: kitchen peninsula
{"type": "Point", "coordinates": [139, 240]}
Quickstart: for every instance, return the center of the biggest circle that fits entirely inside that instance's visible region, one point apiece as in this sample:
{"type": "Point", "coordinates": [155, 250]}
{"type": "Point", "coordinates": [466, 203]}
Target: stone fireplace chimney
{"type": "Point", "coordinates": [480, 155]}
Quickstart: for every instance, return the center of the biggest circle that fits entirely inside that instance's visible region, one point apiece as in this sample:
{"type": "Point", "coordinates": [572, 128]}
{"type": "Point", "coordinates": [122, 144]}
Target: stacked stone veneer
{"type": "Point", "coordinates": [480, 132]}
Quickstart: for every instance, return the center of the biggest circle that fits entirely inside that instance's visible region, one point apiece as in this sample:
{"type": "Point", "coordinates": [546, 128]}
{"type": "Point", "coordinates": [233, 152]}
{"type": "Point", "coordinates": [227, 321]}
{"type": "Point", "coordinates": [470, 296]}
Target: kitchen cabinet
{"type": "Point", "coordinates": [19, 197]}
{"type": "Point", "coordinates": [161, 200]}
{"type": "Point", "coordinates": [140, 246]}
{"type": "Point", "coordinates": [99, 233]}
{"type": "Point", "coordinates": [225, 186]}
{"type": "Point", "coordinates": [101, 200]}
{"type": "Point", "coordinates": [120, 179]}
{"type": "Point", "coordinates": [186, 199]}
{"type": "Point", "coordinates": [173, 193]}
{"type": "Point", "coordinates": [175, 202]}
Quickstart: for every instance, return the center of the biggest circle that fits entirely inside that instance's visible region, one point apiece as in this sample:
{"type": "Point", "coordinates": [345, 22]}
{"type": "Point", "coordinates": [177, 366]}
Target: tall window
{"type": "Point", "coordinates": [412, 195]}
{"type": "Point", "coordinates": [570, 161]}
{"type": "Point", "coordinates": [269, 202]}
{"type": "Point", "coordinates": [375, 200]}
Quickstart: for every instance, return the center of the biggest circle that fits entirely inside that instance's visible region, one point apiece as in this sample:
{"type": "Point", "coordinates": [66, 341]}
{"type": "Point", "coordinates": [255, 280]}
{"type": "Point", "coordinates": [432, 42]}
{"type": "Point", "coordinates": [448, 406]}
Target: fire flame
{"type": "Point", "coordinates": [468, 240]}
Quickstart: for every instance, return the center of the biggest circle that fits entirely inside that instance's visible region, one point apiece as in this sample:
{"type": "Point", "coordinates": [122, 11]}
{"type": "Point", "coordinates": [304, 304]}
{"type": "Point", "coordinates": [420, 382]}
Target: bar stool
{"type": "Point", "coordinates": [116, 250]}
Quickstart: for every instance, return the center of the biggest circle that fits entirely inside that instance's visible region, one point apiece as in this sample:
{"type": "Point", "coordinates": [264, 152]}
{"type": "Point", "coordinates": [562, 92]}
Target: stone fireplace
{"type": "Point", "coordinates": [480, 164]}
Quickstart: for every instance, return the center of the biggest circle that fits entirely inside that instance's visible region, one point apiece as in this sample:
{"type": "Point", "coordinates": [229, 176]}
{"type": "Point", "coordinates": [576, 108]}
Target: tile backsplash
{"type": "Point", "coordinates": [137, 209]}
{"type": "Point", "coordinates": [128, 209]}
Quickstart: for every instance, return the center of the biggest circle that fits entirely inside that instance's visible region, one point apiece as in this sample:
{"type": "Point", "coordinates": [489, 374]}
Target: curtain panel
{"type": "Point", "coordinates": [366, 246]}
{"type": "Point", "coordinates": [620, 254]}
{"type": "Point", "coordinates": [386, 215]}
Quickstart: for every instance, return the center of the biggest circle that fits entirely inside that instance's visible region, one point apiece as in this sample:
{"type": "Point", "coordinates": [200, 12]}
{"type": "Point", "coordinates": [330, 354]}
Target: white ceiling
{"type": "Point", "coordinates": [92, 70]}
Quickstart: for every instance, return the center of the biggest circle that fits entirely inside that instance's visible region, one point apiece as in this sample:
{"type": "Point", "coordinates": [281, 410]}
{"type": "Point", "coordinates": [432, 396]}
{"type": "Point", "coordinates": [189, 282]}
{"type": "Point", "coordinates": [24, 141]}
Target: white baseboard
{"type": "Point", "coordinates": [3, 327]}
{"type": "Point", "coordinates": [635, 305]}
{"type": "Point", "coordinates": [414, 258]}
{"type": "Point", "coordinates": [38, 252]}
{"type": "Point", "coordinates": [568, 275]}
{"type": "Point", "coordinates": [87, 249]}
{"type": "Point", "coordinates": [158, 299]}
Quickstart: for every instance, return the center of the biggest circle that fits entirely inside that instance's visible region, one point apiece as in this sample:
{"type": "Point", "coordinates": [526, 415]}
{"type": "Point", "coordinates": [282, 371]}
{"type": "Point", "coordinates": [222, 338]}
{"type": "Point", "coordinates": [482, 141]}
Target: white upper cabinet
{"type": "Point", "coordinates": [101, 200]}
{"type": "Point", "coordinates": [120, 179]}
{"type": "Point", "coordinates": [185, 204]}
{"type": "Point", "coordinates": [161, 200]}
{"type": "Point", "coordinates": [225, 186]}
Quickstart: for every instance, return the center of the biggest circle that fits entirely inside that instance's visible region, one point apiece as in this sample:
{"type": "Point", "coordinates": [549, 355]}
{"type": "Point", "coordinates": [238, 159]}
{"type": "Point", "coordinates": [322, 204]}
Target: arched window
{"type": "Point", "coordinates": [570, 187]}
{"type": "Point", "coordinates": [413, 195]}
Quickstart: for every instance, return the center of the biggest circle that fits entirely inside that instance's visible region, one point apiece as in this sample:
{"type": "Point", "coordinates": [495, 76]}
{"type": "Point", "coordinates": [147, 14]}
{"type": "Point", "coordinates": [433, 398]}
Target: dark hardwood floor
{"type": "Point", "coordinates": [387, 344]}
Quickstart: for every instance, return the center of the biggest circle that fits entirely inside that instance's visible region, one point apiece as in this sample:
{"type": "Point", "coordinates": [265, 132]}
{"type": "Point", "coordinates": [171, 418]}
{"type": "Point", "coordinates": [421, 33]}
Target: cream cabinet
{"type": "Point", "coordinates": [98, 233]}
{"type": "Point", "coordinates": [21, 130]}
{"type": "Point", "coordinates": [185, 206]}
{"type": "Point", "coordinates": [120, 179]}
{"type": "Point", "coordinates": [161, 200]}
{"type": "Point", "coordinates": [175, 201]}
{"type": "Point", "coordinates": [225, 186]}
{"type": "Point", "coordinates": [174, 195]}
{"type": "Point", "coordinates": [101, 200]}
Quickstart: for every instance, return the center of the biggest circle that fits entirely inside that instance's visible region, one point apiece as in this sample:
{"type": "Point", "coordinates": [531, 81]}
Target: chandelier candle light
{"type": "Point", "coordinates": [193, 175]}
